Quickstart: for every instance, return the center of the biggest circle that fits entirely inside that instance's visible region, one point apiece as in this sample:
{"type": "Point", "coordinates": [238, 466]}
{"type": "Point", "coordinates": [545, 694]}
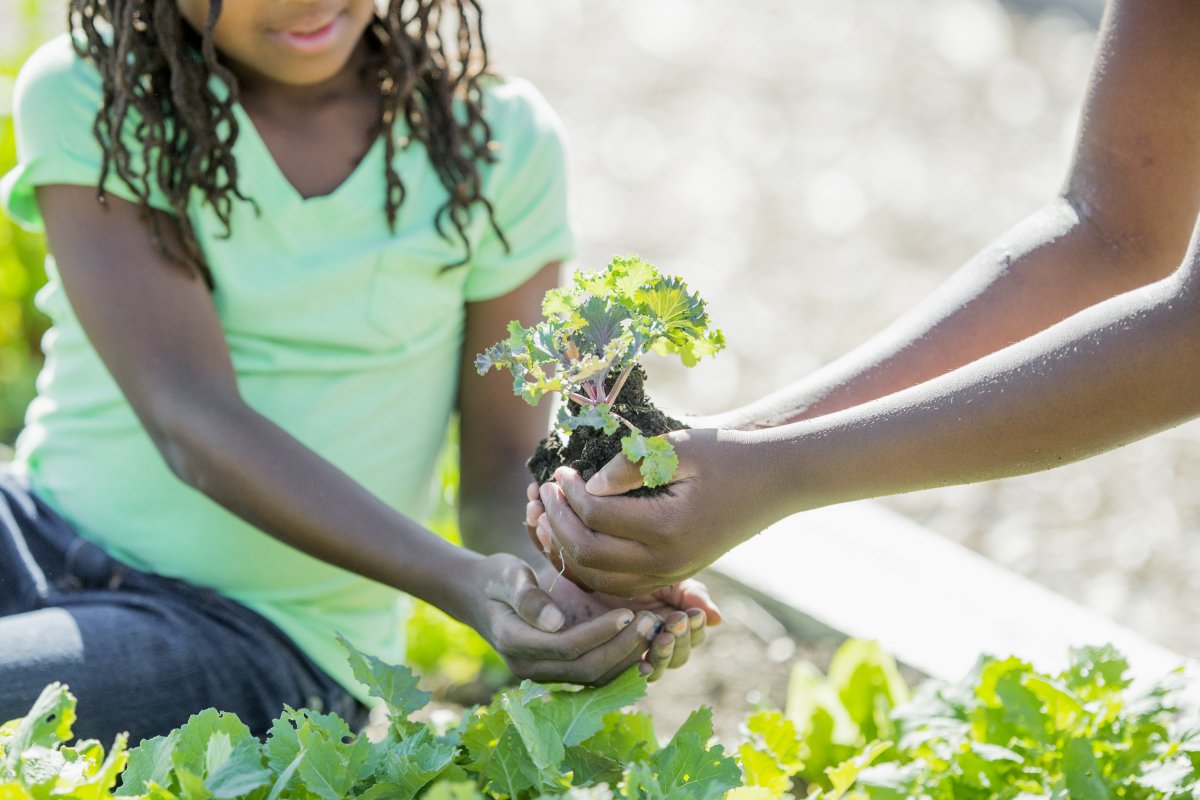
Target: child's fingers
{"type": "Point", "coordinates": [518, 589]}
{"type": "Point", "coordinates": [662, 647]}
{"type": "Point", "coordinates": [677, 626]}
{"type": "Point", "coordinates": [580, 655]}
{"type": "Point", "coordinates": [697, 626]}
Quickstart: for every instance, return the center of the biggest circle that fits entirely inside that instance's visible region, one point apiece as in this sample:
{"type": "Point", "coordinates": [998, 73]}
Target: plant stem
{"type": "Point", "coordinates": [620, 383]}
{"type": "Point", "coordinates": [583, 401]}
{"type": "Point", "coordinates": [626, 422]}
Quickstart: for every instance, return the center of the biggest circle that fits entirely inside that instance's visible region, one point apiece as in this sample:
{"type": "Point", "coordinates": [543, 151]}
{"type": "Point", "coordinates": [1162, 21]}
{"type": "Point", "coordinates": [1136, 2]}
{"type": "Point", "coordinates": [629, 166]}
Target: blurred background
{"type": "Point", "coordinates": [814, 168]}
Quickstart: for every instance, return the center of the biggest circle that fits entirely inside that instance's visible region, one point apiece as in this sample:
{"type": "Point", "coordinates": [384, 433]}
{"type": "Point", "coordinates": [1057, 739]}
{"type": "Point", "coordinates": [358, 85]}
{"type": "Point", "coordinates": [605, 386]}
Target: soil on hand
{"type": "Point", "coordinates": [589, 449]}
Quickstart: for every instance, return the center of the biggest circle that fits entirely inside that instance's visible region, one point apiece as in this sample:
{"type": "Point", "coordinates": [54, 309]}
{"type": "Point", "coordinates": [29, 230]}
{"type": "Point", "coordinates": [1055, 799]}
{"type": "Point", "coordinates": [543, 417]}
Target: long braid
{"type": "Point", "coordinates": [155, 71]}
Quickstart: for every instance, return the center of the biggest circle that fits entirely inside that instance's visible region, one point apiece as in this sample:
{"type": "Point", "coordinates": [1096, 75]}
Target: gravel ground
{"type": "Point", "coordinates": [815, 167]}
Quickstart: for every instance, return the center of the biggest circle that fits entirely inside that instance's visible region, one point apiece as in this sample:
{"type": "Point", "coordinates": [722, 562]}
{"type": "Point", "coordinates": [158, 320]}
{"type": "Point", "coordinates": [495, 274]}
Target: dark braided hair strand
{"type": "Point", "coordinates": [155, 72]}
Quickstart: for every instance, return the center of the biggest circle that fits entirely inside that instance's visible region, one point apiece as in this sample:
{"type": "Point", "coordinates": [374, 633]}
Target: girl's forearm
{"type": "Point", "coordinates": [1045, 269]}
{"type": "Point", "coordinates": [264, 475]}
{"type": "Point", "coordinates": [1114, 373]}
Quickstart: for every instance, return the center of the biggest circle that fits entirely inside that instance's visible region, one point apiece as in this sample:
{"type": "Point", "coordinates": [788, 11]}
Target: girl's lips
{"type": "Point", "coordinates": [312, 39]}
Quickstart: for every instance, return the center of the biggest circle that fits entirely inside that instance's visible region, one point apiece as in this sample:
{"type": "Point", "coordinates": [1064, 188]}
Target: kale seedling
{"type": "Point", "coordinates": [594, 333]}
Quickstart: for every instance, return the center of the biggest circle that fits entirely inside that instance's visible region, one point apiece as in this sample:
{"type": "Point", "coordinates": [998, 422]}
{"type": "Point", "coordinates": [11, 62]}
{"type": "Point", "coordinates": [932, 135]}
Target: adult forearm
{"type": "Point", "coordinates": [264, 475]}
{"type": "Point", "coordinates": [1114, 373]}
{"type": "Point", "coordinates": [1050, 266]}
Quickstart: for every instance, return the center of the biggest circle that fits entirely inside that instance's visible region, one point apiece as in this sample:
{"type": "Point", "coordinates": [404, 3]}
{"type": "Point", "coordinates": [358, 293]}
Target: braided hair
{"type": "Point", "coordinates": [155, 71]}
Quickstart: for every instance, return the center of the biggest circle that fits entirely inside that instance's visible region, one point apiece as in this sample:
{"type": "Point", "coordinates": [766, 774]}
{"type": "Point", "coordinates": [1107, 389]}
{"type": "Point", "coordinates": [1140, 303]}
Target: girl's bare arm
{"type": "Point", "coordinates": [1122, 221]}
{"type": "Point", "coordinates": [497, 430]}
{"type": "Point", "coordinates": [157, 332]}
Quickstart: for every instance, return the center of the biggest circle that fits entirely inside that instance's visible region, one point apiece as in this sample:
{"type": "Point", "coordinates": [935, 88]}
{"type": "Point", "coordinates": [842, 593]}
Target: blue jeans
{"type": "Point", "coordinates": [140, 652]}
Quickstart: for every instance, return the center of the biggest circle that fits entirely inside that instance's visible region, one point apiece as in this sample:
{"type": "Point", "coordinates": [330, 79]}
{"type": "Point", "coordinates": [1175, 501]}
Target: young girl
{"type": "Point", "coordinates": [276, 227]}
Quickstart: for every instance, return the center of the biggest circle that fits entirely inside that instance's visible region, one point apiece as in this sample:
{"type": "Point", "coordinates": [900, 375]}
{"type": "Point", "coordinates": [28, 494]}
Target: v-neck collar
{"type": "Point", "coordinates": [273, 185]}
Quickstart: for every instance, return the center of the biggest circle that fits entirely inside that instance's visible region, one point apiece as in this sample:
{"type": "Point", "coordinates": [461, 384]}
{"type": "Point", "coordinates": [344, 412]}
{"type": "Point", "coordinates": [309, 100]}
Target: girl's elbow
{"type": "Point", "coordinates": [184, 435]}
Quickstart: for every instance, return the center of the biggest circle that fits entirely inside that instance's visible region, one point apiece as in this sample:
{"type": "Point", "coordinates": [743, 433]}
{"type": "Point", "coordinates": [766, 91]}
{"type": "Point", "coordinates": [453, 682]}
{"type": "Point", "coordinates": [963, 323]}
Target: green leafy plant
{"type": "Point", "coordinates": [1004, 731]}
{"type": "Point", "coordinates": [593, 335]}
{"type": "Point", "coordinates": [531, 741]}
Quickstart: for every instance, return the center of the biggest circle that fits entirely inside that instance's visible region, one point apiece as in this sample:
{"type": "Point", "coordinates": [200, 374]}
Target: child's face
{"type": "Point", "coordinates": [293, 42]}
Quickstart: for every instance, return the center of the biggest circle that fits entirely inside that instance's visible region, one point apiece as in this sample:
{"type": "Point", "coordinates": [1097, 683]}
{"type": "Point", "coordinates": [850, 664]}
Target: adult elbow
{"type": "Point", "coordinates": [1144, 252]}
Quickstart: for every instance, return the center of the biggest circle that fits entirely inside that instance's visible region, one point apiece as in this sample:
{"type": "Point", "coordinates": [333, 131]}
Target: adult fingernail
{"type": "Point", "coordinates": [596, 484]}
{"type": "Point", "coordinates": [678, 627]}
{"type": "Point", "coordinates": [645, 669]}
{"type": "Point", "coordinates": [624, 620]}
{"type": "Point", "coordinates": [550, 619]}
{"type": "Point", "coordinates": [696, 621]}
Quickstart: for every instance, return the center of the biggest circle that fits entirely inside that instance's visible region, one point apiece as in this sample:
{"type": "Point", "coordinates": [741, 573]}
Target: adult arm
{"type": "Point", "coordinates": [1120, 225]}
{"type": "Point", "coordinates": [1114, 373]}
{"type": "Point", "coordinates": [1122, 220]}
{"type": "Point", "coordinates": [155, 327]}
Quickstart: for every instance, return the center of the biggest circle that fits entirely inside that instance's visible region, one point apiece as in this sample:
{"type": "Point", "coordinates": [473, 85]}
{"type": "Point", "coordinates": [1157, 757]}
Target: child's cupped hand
{"type": "Point", "coordinates": [541, 640]}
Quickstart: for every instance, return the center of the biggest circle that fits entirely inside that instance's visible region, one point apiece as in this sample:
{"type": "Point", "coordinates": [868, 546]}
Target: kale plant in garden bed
{"type": "Point", "coordinates": [1005, 731]}
{"type": "Point", "coordinates": [587, 350]}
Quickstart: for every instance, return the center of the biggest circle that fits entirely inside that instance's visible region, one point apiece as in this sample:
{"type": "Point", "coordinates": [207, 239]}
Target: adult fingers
{"type": "Point", "coordinates": [618, 476]}
{"type": "Point", "coordinates": [586, 547]}
{"type": "Point", "coordinates": [636, 519]}
{"type": "Point", "coordinates": [517, 588]}
{"type": "Point", "coordinates": [533, 510]}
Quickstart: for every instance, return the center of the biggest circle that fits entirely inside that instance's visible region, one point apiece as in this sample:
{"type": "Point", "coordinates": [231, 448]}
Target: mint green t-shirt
{"type": "Point", "coordinates": [342, 332]}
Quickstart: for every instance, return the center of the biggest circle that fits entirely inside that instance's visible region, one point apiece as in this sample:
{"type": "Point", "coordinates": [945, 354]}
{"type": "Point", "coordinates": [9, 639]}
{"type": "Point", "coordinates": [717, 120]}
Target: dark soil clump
{"type": "Point", "coordinates": [589, 449]}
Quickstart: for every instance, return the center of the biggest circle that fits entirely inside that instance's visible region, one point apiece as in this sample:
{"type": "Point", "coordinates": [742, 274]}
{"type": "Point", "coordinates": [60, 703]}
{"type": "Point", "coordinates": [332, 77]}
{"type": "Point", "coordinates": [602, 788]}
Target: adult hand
{"type": "Point", "coordinates": [530, 631]}
{"type": "Point", "coordinates": [684, 610]}
{"type": "Point", "coordinates": [632, 546]}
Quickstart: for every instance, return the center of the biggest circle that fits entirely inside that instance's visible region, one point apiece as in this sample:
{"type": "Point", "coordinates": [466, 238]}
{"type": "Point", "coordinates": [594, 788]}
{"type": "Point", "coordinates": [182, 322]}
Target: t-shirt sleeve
{"type": "Point", "coordinates": [528, 190]}
{"type": "Point", "coordinates": [55, 101]}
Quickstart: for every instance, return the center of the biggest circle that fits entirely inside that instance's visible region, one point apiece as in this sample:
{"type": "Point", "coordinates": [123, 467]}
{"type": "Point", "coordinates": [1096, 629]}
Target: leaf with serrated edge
{"type": "Point", "coordinates": [395, 685]}
{"type": "Point", "coordinates": [149, 762]}
{"type": "Point", "coordinates": [48, 722]}
{"type": "Point", "coordinates": [761, 769]}
{"type": "Point", "coordinates": [541, 740]}
{"type": "Point", "coordinates": [578, 715]}
{"type": "Point", "coordinates": [626, 737]}
{"type": "Point", "coordinates": [843, 776]}
{"type": "Point", "coordinates": [239, 772]}
{"type": "Point", "coordinates": [654, 455]}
